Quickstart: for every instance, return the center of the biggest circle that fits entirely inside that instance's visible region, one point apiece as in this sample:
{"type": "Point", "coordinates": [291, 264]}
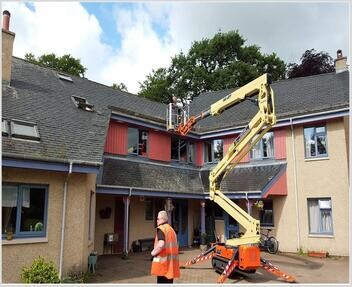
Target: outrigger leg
{"type": "Point", "coordinates": [266, 265]}
{"type": "Point", "coordinates": [208, 254]}
{"type": "Point", "coordinates": [231, 265]}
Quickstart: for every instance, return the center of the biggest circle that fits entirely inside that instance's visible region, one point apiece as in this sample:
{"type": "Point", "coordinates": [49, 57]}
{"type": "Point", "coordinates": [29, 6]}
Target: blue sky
{"type": "Point", "coordinates": [123, 42]}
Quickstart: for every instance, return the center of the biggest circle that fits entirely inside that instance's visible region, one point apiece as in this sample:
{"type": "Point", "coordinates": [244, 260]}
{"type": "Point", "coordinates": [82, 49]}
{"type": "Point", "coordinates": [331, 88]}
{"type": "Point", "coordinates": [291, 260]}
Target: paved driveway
{"type": "Point", "coordinates": [135, 269]}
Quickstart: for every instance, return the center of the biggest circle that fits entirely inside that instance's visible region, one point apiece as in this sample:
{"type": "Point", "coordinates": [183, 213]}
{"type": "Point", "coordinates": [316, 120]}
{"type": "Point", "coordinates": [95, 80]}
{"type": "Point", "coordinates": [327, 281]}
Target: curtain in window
{"type": "Point", "coordinates": [9, 196]}
{"type": "Point", "coordinates": [314, 216]}
{"type": "Point", "coordinates": [256, 151]}
{"type": "Point", "coordinates": [269, 141]}
{"type": "Point", "coordinates": [326, 226]}
{"type": "Point", "coordinates": [26, 197]}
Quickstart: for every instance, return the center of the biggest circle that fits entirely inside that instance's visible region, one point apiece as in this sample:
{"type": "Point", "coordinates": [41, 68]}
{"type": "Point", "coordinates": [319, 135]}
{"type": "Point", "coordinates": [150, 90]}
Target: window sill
{"type": "Point", "coordinates": [317, 159]}
{"type": "Point", "coordinates": [321, 236]}
{"type": "Point", "coordinates": [24, 241]}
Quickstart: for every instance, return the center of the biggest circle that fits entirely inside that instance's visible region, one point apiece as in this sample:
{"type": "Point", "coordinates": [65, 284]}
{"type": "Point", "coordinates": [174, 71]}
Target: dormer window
{"type": "Point", "coordinates": [5, 127]}
{"type": "Point", "coordinates": [65, 77]}
{"type": "Point", "coordinates": [82, 103]}
{"type": "Point", "coordinates": [24, 130]}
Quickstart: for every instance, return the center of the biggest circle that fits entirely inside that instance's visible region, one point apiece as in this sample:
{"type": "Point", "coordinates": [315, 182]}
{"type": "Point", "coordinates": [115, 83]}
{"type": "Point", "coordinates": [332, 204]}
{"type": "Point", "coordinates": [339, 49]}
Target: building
{"type": "Point", "coordinates": [81, 160]}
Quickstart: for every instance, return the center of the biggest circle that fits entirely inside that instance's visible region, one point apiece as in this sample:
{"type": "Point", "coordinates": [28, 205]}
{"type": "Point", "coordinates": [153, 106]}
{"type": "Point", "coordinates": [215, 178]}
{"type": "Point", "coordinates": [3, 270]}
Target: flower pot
{"type": "Point", "coordinates": [9, 235]}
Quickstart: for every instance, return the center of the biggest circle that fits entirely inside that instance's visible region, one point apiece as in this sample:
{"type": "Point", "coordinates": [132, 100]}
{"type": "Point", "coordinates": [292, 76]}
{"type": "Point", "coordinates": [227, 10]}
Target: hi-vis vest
{"type": "Point", "coordinates": [166, 262]}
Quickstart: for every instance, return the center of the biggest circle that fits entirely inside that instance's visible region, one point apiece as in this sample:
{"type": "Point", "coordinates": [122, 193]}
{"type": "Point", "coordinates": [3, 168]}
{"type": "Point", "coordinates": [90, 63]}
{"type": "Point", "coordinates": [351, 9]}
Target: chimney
{"type": "Point", "coordinates": [340, 62]}
{"type": "Point", "coordinates": [7, 47]}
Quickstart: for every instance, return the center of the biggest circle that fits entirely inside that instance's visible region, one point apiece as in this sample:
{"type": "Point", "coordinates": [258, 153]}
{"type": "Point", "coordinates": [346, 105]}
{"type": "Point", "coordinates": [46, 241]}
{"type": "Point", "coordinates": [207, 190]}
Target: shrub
{"type": "Point", "coordinates": [40, 272]}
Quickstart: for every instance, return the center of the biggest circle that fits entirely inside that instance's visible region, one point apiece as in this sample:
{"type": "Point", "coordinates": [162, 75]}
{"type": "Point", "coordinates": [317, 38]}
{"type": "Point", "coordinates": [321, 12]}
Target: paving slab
{"type": "Point", "coordinates": [136, 269]}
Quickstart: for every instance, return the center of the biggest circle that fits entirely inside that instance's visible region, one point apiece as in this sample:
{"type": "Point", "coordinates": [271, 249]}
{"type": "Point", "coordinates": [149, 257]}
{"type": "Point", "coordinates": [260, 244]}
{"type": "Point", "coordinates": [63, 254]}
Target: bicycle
{"type": "Point", "coordinates": [268, 243]}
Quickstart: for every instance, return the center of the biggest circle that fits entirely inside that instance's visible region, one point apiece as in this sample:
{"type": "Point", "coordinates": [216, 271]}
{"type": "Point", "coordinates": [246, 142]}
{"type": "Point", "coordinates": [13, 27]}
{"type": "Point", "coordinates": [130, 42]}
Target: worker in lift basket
{"type": "Point", "coordinates": [165, 263]}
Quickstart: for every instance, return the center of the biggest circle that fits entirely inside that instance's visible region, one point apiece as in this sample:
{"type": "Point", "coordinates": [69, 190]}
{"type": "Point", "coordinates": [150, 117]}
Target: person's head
{"type": "Point", "coordinates": [162, 217]}
{"type": "Point", "coordinates": [174, 99]}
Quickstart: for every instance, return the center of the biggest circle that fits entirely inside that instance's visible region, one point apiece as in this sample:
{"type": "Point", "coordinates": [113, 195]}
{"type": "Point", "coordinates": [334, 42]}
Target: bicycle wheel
{"type": "Point", "coordinates": [262, 241]}
{"type": "Point", "coordinates": [272, 245]}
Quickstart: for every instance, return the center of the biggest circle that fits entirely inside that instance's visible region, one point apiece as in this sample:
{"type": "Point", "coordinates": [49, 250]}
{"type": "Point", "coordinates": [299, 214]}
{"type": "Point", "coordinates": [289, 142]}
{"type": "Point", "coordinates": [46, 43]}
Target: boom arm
{"type": "Point", "coordinates": [255, 130]}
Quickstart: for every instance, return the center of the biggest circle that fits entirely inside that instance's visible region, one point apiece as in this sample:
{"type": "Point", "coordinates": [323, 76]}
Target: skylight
{"type": "Point", "coordinates": [5, 127]}
{"type": "Point", "coordinates": [82, 103]}
{"type": "Point", "coordinates": [24, 130]}
{"type": "Point", "coordinates": [65, 77]}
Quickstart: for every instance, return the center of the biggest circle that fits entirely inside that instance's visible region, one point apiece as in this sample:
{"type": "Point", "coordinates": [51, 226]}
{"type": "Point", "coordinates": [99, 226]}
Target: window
{"type": "Point", "coordinates": [82, 103]}
{"type": "Point", "coordinates": [266, 214]}
{"type": "Point", "coordinates": [264, 148]}
{"type": "Point", "coordinates": [213, 150]}
{"type": "Point", "coordinates": [24, 130]}
{"type": "Point", "coordinates": [182, 150]}
{"type": "Point", "coordinates": [65, 77]}
{"type": "Point", "coordinates": [315, 142]}
{"type": "Point", "coordinates": [137, 141]}
{"type": "Point", "coordinates": [192, 152]}
{"type": "Point", "coordinates": [24, 209]}
{"type": "Point", "coordinates": [320, 216]}
{"type": "Point", "coordinates": [5, 127]}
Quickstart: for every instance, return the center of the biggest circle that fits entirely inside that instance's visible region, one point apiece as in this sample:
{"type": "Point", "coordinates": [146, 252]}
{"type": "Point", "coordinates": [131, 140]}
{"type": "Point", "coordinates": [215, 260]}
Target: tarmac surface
{"type": "Point", "coordinates": [136, 269]}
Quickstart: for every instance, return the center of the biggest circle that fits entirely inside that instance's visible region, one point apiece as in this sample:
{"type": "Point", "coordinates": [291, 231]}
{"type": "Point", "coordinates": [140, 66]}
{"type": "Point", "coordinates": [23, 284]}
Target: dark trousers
{"type": "Point", "coordinates": [163, 279]}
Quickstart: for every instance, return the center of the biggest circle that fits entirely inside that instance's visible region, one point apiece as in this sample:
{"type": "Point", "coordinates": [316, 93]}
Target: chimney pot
{"type": "Point", "coordinates": [340, 62]}
{"type": "Point", "coordinates": [6, 20]}
{"type": "Point", "coordinates": [339, 54]}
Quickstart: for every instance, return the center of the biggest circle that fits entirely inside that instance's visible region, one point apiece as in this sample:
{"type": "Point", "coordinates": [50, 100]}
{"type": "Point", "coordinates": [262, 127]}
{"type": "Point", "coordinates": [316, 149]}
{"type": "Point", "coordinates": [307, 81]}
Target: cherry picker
{"type": "Point", "coordinates": [241, 253]}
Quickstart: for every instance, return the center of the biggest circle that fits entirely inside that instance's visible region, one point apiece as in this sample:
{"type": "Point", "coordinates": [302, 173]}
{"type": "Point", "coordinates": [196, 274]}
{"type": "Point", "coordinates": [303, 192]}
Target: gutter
{"type": "Point", "coordinates": [63, 220]}
{"type": "Point", "coordinates": [295, 186]}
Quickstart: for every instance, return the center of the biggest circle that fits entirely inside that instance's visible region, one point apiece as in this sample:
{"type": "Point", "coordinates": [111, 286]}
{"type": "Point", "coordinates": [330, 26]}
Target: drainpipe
{"type": "Point", "coordinates": [63, 220]}
{"type": "Point", "coordinates": [127, 220]}
{"type": "Point", "coordinates": [295, 184]}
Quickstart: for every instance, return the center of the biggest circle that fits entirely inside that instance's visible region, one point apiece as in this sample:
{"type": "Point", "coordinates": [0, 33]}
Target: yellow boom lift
{"type": "Point", "coordinates": [242, 253]}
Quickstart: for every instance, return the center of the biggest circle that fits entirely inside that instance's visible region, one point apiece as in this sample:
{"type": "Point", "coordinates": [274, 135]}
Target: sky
{"type": "Point", "coordinates": [124, 41]}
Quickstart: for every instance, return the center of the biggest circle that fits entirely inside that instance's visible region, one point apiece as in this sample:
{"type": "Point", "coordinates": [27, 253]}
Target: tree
{"type": "Point", "coordinates": [312, 63]}
{"type": "Point", "coordinates": [211, 64]}
{"type": "Point", "coordinates": [119, 87]}
{"type": "Point", "coordinates": [65, 63]}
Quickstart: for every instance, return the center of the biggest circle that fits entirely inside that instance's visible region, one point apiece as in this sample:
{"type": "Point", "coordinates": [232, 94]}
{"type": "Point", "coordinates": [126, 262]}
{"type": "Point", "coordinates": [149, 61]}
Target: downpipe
{"type": "Point", "coordinates": [63, 220]}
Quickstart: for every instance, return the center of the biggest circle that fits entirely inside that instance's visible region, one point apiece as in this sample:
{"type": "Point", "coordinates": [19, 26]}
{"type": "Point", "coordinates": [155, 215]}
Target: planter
{"type": "Point", "coordinates": [319, 254]}
{"type": "Point", "coordinates": [9, 235]}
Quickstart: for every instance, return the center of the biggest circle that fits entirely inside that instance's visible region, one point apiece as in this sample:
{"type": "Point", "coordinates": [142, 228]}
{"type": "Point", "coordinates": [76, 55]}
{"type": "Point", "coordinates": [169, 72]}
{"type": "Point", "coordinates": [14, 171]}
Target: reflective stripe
{"type": "Point", "coordinates": [165, 258]}
{"type": "Point", "coordinates": [171, 244]}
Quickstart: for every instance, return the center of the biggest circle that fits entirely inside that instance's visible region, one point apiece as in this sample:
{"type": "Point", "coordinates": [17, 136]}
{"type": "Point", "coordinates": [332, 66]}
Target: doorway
{"type": "Point", "coordinates": [180, 221]}
{"type": "Point", "coordinates": [119, 224]}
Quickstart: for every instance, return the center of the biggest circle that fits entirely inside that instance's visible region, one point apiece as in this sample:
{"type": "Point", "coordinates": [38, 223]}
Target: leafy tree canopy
{"type": "Point", "coordinates": [119, 87]}
{"type": "Point", "coordinates": [211, 64]}
{"type": "Point", "coordinates": [66, 63]}
{"type": "Point", "coordinates": [312, 63]}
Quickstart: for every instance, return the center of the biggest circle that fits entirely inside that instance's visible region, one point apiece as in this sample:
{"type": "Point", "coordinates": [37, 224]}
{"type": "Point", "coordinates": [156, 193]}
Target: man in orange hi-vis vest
{"type": "Point", "coordinates": [165, 263]}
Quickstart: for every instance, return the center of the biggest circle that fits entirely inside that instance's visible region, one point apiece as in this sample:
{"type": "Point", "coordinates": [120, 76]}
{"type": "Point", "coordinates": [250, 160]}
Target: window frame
{"type": "Point", "coordinates": [138, 143]}
{"type": "Point", "coordinates": [188, 150]}
{"type": "Point", "coordinates": [260, 142]}
{"type": "Point", "coordinates": [315, 139]}
{"type": "Point", "coordinates": [5, 129]}
{"type": "Point", "coordinates": [320, 216]}
{"type": "Point", "coordinates": [22, 136]}
{"type": "Point", "coordinates": [28, 234]}
{"type": "Point", "coordinates": [211, 142]}
{"type": "Point", "coordinates": [262, 212]}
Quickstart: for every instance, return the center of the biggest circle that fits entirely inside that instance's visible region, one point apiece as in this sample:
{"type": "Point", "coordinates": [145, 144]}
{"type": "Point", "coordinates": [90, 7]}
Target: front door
{"type": "Point", "coordinates": [119, 224]}
{"type": "Point", "coordinates": [180, 222]}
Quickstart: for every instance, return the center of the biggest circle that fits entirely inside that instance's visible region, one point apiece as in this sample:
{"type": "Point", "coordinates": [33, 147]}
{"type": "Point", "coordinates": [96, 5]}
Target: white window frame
{"type": "Point", "coordinates": [212, 143]}
{"type": "Point", "coordinates": [261, 148]}
{"type": "Point", "coordinates": [316, 134]}
{"type": "Point", "coordinates": [322, 207]}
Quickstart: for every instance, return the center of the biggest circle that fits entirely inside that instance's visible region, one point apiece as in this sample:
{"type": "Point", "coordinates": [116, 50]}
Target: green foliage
{"type": "Point", "coordinates": [312, 63]}
{"type": "Point", "coordinates": [66, 63]}
{"type": "Point", "coordinates": [211, 64]}
{"type": "Point", "coordinates": [75, 276]}
{"type": "Point", "coordinates": [301, 252]}
{"type": "Point", "coordinates": [40, 272]}
{"type": "Point", "coordinates": [119, 87]}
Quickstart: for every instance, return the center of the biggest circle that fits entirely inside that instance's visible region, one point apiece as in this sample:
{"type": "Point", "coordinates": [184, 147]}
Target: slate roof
{"type": "Point", "coordinates": [66, 133]}
{"type": "Point", "coordinates": [138, 174]}
{"type": "Point", "coordinates": [293, 97]}
{"type": "Point", "coordinates": [246, 177]}
{"type": "Point", "coordinates": [134, 173]}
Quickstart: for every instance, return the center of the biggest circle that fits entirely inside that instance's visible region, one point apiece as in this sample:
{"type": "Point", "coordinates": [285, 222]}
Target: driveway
{"type": "Point", "coordinates": [136, 269]}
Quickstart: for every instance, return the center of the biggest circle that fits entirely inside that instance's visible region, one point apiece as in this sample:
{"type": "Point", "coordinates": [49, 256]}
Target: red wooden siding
{"type": "Point", "coordinates": [199, 154]}
{"type": "Point", "coordinates": [116, 140]}
{"type": "Point", "coordinates": [159, 146]}
{"type": "Point", "coordinates": [279, 187]}
{"type": "Point", "coordinates": [228, 142]}
{"type": "Point", "coordinates": [280, 143]}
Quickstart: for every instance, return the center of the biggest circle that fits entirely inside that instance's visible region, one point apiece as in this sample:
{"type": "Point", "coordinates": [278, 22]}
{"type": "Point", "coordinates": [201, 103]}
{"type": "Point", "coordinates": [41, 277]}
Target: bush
{"type": "Point", "coordinates": [40, 272]}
